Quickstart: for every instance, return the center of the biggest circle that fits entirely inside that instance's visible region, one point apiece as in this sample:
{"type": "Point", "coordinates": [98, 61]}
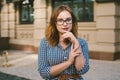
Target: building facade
{"type": "Point", "coordinates": [24, 22]}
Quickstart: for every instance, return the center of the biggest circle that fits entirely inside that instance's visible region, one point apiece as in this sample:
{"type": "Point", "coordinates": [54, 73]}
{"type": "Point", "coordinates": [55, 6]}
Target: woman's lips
{"type": "Point", "coordinates": [66, 29]}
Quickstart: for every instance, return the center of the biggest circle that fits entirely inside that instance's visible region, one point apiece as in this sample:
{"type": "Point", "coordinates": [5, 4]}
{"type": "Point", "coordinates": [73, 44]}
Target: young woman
{"type": "Point", "coordinates": [62, 55]}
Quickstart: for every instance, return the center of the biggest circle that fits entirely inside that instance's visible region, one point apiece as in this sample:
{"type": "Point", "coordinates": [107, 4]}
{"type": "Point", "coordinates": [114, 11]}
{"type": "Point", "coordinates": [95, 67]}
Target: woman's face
{"type": "Point", "coordinates": [64, 22]}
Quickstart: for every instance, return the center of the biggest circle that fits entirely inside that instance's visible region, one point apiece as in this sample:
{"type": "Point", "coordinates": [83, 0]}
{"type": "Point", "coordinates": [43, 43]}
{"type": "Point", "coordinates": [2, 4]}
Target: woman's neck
{"type": "Point", "coordinates": [63, 43]}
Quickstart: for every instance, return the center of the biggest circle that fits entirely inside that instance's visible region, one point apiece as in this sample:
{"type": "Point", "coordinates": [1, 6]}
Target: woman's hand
{"type": "Point", "coordinates": [72, 54]}
{"type": "Point", "coordinates": [68, 35]}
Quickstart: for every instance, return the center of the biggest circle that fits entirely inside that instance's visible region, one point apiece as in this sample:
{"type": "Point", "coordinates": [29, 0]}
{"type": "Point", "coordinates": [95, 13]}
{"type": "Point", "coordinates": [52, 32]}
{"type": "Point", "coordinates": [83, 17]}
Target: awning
{"type": "Point", "coordinates": [15, 0]}
{"type": "Point", "coordinates": [12, 1]}
{"type": "Point", "coordinates": [103, 1]}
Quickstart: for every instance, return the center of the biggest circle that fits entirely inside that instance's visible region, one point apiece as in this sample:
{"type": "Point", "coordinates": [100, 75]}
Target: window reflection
{"type": "Point", "coordinates": [83, 9]}
{"type": "Point", "coordinates": [26, 12]}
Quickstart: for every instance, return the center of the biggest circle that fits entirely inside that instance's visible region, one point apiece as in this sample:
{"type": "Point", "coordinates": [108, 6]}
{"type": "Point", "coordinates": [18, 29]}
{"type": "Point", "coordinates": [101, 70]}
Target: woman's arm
{"type": "Point", "coordinates": [82, 61]}
{"type": "Point", "coordinates": [47, 71]}
{"type": "Point", "coordinates": [43, 65]}
{"type": "Point", "coordinates": [79, 60]}
{"type": "Point", "coordinates": [57, 69]}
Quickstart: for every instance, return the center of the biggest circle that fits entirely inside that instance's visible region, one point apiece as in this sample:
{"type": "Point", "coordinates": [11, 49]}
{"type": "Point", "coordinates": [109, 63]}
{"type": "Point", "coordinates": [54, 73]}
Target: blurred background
{"type": "Point", "coordinates": [22, 25]}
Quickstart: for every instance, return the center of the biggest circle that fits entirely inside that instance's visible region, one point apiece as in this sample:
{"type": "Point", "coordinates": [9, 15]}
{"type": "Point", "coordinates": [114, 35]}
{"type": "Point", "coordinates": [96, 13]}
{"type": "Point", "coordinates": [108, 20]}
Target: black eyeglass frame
{"type": "Point", "coordinates": [67, 21]}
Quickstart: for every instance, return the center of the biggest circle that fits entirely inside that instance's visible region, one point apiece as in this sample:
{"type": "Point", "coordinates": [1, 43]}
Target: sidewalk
{"type": "Point", "coordinates": [24, 64]}
{"type": "Point", "coordinates": [103, 70]}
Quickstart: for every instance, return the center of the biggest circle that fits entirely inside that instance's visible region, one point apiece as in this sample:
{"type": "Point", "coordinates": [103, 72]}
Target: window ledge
{"type": "Point", "coordinates": [86, 24]}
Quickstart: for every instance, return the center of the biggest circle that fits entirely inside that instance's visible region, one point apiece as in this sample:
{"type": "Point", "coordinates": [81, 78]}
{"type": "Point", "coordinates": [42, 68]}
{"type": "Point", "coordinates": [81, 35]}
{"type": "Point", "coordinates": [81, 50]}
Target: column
{"type": "Point", "coordinates": [4, 20]}
{"type": "Point", "coordinates": [117, 32]}
{"type": "Point", "coordinates": [107, 26]}
{"type": "Point", "coordinates": [11, 20]}
{"type": "Point", "coordinates": [40, 21]}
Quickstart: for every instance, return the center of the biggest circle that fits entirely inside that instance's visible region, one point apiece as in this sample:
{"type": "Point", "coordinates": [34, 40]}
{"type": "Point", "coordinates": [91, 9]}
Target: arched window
{"type": "Point", "coordinates": [83, 9]}
{"type": "Point", "coordinates": [26, 12]}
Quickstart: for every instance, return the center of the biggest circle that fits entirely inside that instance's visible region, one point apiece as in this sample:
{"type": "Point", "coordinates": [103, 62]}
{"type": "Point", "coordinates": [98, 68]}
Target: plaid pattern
{"type": "Point", "coordinates": [49, 56]}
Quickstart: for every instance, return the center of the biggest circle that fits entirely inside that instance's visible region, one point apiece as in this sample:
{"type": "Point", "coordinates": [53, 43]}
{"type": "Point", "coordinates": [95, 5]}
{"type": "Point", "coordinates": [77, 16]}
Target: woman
{"type": "Point", "coordinates": [62, 55]}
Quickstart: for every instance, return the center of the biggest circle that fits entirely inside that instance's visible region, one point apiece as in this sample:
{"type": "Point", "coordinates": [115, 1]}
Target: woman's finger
{"type": "Point", "coordinates": [75, 49]}
{"type": "Point", "coordinates": [71, 47]}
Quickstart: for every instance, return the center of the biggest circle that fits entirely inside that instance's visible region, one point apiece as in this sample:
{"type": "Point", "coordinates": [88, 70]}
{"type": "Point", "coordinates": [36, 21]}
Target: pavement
{"type": "Point", "coordinates": [24, 64]}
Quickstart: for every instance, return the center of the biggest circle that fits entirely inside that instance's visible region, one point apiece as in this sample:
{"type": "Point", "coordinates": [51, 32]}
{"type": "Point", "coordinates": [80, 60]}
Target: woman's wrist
{"type": "Point", "coordinates": [69, 62]}
{"type": "Point", "coordinates": [76, 44]}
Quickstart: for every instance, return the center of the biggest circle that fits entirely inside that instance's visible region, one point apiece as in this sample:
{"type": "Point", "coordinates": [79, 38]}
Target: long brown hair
{"type": "Point", "coordinates": [51, 32]}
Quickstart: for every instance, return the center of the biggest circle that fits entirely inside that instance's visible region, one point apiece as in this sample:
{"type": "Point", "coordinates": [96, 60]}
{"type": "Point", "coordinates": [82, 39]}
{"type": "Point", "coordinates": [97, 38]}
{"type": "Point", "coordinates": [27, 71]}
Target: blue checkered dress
{"type": "Point", "coordinates": [49, 56]}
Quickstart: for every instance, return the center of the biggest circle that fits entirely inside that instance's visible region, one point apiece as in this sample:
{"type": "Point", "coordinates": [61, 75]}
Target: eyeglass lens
{"type": "Point", "coordinates": [61, 21]}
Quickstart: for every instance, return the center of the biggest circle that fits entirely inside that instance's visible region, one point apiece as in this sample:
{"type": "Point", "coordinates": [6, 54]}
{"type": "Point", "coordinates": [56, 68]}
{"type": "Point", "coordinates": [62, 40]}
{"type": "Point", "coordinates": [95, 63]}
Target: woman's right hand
{"type": "Point", "coordinates": [72, 54]}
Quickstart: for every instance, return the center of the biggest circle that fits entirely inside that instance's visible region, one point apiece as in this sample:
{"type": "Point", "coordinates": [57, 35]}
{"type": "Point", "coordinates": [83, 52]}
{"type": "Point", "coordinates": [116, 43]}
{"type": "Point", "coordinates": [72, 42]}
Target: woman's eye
{"type": "Point", "coordinates": [68, 19]}
{"type": "Point", "coordinates": [60, 20]}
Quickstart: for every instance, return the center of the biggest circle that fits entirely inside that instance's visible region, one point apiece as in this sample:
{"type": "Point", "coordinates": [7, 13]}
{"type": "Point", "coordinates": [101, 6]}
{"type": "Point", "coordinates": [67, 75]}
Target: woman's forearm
{"type": "Point", "coordinates": [57, 69]}
{"type": "Point", "coordinates": [80, 60]}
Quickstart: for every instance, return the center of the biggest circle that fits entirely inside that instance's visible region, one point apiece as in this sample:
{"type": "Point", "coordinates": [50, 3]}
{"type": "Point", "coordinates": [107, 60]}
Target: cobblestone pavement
{"type": "Point", "coordinates": [24, 64]}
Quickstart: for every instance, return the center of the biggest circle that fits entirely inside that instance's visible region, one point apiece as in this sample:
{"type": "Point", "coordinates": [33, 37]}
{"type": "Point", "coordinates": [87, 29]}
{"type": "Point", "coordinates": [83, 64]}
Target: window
{"type": "Point", "coordinates": [26, 12]}
{"type": "Point", "coordinates": [83, 9]}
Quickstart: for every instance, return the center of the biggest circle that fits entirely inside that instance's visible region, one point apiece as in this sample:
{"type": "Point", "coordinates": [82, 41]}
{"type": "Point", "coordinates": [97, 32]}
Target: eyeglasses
{"type": "Point", "coordinates": [61, 21]}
